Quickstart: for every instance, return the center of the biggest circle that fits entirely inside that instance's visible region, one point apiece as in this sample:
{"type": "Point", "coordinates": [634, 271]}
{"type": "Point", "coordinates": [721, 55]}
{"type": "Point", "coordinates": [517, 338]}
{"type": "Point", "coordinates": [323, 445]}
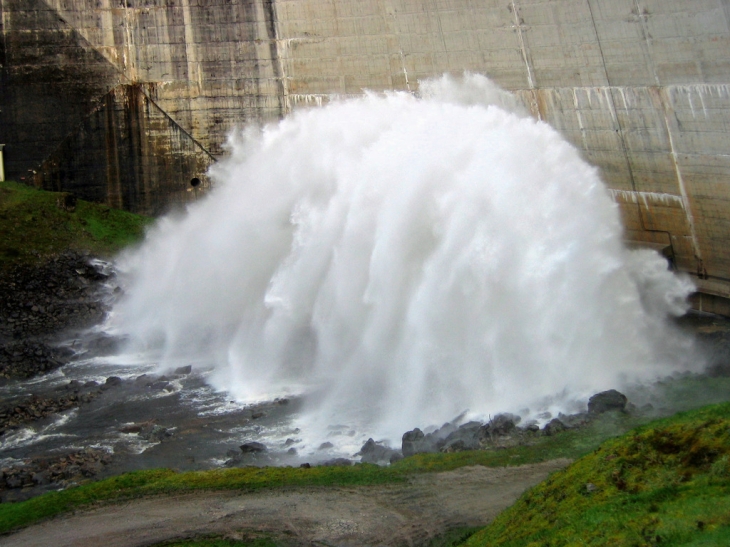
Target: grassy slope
{"type": "Point", "coordinates": [32, 225]}
{"type": "Point", "coordinates": [667, 483]}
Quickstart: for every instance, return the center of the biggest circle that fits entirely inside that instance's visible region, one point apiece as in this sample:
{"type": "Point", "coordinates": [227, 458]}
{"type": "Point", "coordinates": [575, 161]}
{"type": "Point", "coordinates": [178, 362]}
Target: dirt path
{"type": "Point", "coordinates": [402, 514]}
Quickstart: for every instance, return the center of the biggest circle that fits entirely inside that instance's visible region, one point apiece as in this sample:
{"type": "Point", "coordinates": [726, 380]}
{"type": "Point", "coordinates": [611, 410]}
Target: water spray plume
{"type": "Point", "coordinates": [398, 260]}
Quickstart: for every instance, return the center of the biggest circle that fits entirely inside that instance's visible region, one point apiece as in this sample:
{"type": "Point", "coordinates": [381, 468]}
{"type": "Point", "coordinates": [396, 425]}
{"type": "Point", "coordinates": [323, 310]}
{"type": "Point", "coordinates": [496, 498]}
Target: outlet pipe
{"type": "Point", "coordinates": [2, 164]}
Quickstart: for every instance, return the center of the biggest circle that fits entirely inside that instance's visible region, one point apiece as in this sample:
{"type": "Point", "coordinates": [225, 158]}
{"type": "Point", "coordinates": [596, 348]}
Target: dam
{"type": "Point", "coordinates": [128, 102]}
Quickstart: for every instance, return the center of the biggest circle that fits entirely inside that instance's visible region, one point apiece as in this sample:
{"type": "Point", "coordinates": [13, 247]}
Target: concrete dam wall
{"type": "Point", "coordinates": [126, 101]}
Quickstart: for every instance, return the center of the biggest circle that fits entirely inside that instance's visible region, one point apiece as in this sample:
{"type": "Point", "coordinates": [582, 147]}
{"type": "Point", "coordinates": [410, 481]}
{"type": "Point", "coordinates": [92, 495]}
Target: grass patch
{"type": "Point", "coordinates": [33, 225]}
{"type": "Point", "coordinates": [664, 483]}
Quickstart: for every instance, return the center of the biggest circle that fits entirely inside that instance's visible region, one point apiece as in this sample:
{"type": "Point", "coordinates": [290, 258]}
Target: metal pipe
{"type": "Point", "coordinates": [2, 164]}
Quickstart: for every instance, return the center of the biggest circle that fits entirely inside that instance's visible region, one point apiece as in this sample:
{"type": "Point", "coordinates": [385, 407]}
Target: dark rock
{"type": "Point", "coordinates": [253, 448]}
{"type": "Point", "coordinates": [396, 457]}
{"type": "Point", "coordinates": [154, 433]}
{"type": "Point", "coordinates": [415, 442]}
{"type": "Point", "coordinates": [305, 465]}
{"type": "Point", "coordinates": [113, 381]}
{"type": "Point", "coordinates": [502, 424]}
{"type": "Point", "coordinates": [378, 453]}
{"type": "Point", "coordinates": [325, 446]}
{"type": "Point", "coordinates": [337, 462]}
{"type": "Point", "coordinates": [184, 370]}
{"type": "Point", "coordinates": [258, 414]}
{"type": "Point", "coordinates": [466, 437]}
{"type": "Point", "coordinates": [292, 451]}
{"type": "Point", "coordinates": [553, 426]}
{"type": "Point", "coordinates": [607, 401]}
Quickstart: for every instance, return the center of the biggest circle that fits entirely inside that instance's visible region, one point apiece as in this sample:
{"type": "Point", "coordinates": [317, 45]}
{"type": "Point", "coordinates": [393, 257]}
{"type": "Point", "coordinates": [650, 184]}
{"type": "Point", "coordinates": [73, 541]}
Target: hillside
{"type": "Point", "coordinates": [35, 224]}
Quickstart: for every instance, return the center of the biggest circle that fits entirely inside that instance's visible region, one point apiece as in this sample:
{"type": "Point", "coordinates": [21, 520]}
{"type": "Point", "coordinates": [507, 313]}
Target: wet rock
{"type": "Point", "coordinates": [28, 358]}
{"type": "Point", "coordinates": [253, 448]}
{"type": "Point", "coordinates": [395, 457]}
{"type": "Point", "coordinates": [553, 426]}
{"type": "Point", "coordinates": [184, 370]}
{"type": "Point", "coordinates": [607, 401]}
{"type": "Point", "coordinates": [325, 446]}
{"type": "Point", "coordinates": [154, 433]}
{"type": "Point", "coordinates": [39, 300]}
{"type": "Point", "coordinates": [55, 470]}
{"type": "Point", "coordinates": [372, 452]}
{"type": "Point", "coordinates": [258, 414]}
{"type": "Point", "coordinates": [161, 385]}
{"type": "Point", "coordinates": [500, 425]}
{"type": "Point", "coordinates": [337, 462]}
{"type": "Point", "coordinates": [466, 437]}
{"type": "Point", "coordinates": [30, 409]}
{"type": "Point", "coordinates": [113, 381]}
{"type": "Point", "coordinates": [415, 442]}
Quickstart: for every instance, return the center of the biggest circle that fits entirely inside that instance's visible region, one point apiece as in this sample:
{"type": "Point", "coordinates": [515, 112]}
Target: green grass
{"type": "Point", "coordinates": [666, 483]}
{"type": "Point", "coordinates": [32, 225]}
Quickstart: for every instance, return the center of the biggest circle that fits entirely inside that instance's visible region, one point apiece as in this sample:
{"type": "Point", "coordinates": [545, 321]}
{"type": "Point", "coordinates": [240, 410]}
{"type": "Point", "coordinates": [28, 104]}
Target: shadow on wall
{"type": "Point", "coordinates": [128, 154]}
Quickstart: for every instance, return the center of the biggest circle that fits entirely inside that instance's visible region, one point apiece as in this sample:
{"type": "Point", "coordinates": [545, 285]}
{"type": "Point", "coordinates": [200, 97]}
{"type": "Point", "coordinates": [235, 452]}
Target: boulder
{"type": "Point", "coordinates": [499, 426]}
{"type": "Point", "coordinates": [607, 401]}
{"type": "Point", "coordinates": [378, 453]}
{"type": "Point", "coordinates": [253, 448]}
{"type": "Point", "coordinates": [337, 462]}
{"type": "Point", "coordinates": [466, 437]}
{"type": "Point", "coordinates": [154, 433]}
{"type": "Point", "coordinates": [553, 426]}
{"type": "Point", "coordinates": [415, 442]}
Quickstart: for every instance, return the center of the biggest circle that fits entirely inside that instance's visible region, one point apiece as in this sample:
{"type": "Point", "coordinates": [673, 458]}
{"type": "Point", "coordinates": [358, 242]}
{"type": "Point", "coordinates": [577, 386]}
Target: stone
{"type": "Point", "coordinates": [372, 452]}
{"type": "Point", "coordinates": [553, 426]}
{"type": "Point", "coordinates": [607, 401]}
{"type": "Point", "coordinates": [337, 462]}
{"type": "Point", "coordinates": [184, 370]}
{"type": "Point", "coordinates": [253, 448]}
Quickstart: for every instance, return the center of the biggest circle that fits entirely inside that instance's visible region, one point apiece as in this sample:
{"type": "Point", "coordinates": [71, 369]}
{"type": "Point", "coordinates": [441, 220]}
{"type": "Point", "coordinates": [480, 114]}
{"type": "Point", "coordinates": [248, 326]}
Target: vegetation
{"type": "Point", "coordinates": [667, 483]}
{"type": "Point", "coordinates": [35, 223]}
